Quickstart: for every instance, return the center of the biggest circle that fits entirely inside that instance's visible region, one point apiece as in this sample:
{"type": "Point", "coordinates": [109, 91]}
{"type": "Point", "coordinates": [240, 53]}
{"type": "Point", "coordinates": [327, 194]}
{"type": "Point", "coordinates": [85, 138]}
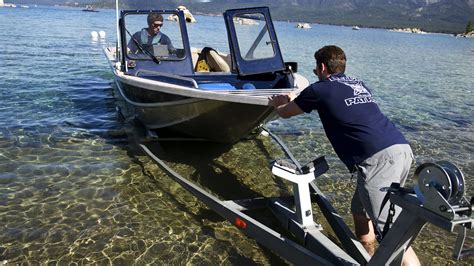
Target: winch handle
{"type": "Point", "coordinates": [458, 252]}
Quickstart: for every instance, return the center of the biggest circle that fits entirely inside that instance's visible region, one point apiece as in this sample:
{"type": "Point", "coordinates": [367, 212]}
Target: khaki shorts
{"type": "Point", "coordinates": [390, 165]}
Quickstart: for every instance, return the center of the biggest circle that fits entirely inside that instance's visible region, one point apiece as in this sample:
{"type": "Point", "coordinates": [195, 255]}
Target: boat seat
{"type": "Point", "coordinates": [214, 62]}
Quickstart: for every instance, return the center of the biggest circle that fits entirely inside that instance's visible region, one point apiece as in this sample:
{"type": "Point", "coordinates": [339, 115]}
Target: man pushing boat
{"type": "Point", "coordinates": [366, 141]}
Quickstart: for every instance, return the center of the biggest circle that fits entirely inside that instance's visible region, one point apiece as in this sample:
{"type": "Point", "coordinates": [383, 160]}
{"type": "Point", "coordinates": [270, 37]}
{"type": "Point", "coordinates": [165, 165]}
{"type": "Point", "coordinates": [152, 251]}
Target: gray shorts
{"type": "Point", "coordinates": [389, 165]}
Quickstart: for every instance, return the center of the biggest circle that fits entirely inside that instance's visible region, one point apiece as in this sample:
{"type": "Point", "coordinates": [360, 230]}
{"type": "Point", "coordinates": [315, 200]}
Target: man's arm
{"type": "Point", "coordinates": [132, 45]}
{"type": "Point", "coordinates": [284, 107]}
{"type": "Point", "coordinates": [166, 40]}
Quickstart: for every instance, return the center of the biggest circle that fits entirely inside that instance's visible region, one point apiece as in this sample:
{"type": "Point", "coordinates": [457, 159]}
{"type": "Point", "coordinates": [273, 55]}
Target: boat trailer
{"type": "Point", "coordinates": [437, 198]}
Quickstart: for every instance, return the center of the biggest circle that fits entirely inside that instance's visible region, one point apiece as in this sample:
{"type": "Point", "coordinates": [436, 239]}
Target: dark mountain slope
{"type": "Point", "coordinates": [430, 15]}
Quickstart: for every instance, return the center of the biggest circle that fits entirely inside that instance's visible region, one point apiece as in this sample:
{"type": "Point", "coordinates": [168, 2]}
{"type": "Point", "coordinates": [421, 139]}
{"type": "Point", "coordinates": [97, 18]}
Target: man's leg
{"type": "Point", "coordinates": [410, 258]}
{"type": "Point", "coordinates": [364, 231]}
{"type": "Point", "coordinates": [380, 170]}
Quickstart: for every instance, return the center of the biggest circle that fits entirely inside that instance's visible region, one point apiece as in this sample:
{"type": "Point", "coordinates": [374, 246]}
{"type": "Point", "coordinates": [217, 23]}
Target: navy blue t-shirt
{"type": "Point", "coordinates": [353, 122]}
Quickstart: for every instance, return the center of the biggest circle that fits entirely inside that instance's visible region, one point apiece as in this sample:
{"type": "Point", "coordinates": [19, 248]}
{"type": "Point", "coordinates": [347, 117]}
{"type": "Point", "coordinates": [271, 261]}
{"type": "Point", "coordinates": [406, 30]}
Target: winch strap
{"type": "Point", "coordinates": [391, 213]}
{"type": "Point", "coordinates": [285, 149]}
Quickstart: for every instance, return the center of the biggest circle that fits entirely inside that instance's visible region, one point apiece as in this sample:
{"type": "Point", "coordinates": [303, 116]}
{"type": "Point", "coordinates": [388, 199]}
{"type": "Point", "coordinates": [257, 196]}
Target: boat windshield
{"type": "Point", "coordinates": [156, 34]}
{"type": "Point", "coordinates": [252, 33]}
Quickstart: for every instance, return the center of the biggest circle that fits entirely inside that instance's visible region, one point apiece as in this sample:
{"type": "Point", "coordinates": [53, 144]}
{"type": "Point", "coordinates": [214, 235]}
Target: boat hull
{"type": "Point", "coordinates": [215, 120]}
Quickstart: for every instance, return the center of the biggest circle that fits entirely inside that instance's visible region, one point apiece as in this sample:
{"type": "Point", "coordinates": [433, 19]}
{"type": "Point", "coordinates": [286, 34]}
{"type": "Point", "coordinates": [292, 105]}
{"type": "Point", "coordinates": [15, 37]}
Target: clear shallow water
{"type": "Point", "coordinates": [74, 188]}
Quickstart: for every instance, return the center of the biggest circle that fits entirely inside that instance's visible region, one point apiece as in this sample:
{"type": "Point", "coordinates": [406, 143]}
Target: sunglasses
{"type": "Point", "coordinates": [156, 25]}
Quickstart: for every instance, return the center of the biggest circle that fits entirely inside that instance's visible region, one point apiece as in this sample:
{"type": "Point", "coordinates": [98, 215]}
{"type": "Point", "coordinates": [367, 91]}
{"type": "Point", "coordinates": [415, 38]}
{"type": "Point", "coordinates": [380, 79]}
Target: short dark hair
{"type": "Point", "coordinates": [333, 57]}
{"type": "Point", "coordinates": [152, 17]}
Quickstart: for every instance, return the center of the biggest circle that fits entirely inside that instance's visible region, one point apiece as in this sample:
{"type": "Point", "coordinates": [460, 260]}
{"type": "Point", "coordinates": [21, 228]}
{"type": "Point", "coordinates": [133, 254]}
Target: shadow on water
{"type": "Point", "coordinates": [226, 171]}
{"type": "Point", "coordinates": [207, 170]}
{"type": "Point", "coordinates": [202, 159]}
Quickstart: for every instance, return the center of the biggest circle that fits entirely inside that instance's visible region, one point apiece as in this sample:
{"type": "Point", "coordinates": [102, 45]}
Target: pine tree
{"type": "Point", "coordinates": [469, 27]}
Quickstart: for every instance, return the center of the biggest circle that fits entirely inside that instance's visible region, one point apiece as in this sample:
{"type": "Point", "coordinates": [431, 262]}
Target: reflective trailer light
{"type": "Point", "coordinates": [240, 223]}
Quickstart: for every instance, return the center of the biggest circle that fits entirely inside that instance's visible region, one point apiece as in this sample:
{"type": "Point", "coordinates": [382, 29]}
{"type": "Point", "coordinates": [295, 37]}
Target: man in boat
{"type": "Point", "coordinates": [363, 138]}
{"type": "Point", "coordinates": [147, 37]}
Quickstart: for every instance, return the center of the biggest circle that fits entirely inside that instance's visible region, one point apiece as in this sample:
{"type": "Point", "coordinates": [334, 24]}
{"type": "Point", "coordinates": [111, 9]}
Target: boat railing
{"type": "Point", "coordinates": [175, 79]}
{"type": "Point", "coordinates": [190, 82]}
{"type": "Point", "coordinates": [257, 92]}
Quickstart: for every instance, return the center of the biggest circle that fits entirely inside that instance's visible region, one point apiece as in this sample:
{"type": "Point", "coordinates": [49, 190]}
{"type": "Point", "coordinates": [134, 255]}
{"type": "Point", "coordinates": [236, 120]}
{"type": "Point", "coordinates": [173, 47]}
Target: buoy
{"type": "Point", "coordinates": [102, 34]}
{"type": "Point", "coordinates": [94, 34]}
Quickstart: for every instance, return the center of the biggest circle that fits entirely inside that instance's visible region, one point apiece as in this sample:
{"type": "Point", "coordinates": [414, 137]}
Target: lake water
{"type": "Point", "coordinates": [75, 189]}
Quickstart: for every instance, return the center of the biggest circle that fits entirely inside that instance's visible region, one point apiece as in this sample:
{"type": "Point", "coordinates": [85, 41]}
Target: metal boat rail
{"type": "Point", "coordinates": [190, 82]}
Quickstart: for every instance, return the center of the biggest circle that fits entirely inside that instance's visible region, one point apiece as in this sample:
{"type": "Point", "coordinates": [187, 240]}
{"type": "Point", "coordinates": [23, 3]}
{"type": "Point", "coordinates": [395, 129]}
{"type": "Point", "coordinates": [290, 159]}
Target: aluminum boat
{"type": "Point", "coordinates": [201, 92]}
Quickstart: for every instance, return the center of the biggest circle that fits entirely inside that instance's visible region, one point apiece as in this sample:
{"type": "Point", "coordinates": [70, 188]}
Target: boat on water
{"type": "Point", "coordinates": [303, 26]}
{"type": "Point", "coordinates": [2, 4]}
{"type": "Point", "coordinates": [244, 21]}
{"type": "Point", "coordinates": [201, 92]}
{"type": "Point", "coordinates": [90, 8]}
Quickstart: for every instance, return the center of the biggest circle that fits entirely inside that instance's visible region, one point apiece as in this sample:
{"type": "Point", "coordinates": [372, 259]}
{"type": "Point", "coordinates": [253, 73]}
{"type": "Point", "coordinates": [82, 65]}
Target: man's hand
{"type": "Point", "coordinates": [278, 100]}
{"type": "Point", "coordinates": [292, 95]}
{"type": "Point", "coordinates": [284, 105]}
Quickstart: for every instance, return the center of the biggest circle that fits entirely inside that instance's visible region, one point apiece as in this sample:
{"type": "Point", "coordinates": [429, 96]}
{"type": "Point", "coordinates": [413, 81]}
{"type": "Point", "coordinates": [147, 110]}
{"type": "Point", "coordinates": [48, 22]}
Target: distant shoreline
{"type": "Point", "coordinates": [413, 29]}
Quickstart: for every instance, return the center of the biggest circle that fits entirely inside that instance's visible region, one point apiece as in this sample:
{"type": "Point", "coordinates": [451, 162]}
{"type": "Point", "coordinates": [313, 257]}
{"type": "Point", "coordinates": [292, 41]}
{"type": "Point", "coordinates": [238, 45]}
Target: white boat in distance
{"type": "Point", "coordinates": [90, 8]}
{"type": "Point", "coordinates": [200, 92]}
{"type": "Point", "coordinates": [303, 26]}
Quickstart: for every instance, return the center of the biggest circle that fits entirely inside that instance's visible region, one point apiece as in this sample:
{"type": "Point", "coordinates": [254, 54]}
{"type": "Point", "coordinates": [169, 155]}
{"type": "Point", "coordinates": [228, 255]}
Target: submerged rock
{"type": "Point", "coordinates": [467, 35]}
{"type": "Point", "coordinates": [409, 30]}
{"type": "Point", "coordinates": [187, 15]}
